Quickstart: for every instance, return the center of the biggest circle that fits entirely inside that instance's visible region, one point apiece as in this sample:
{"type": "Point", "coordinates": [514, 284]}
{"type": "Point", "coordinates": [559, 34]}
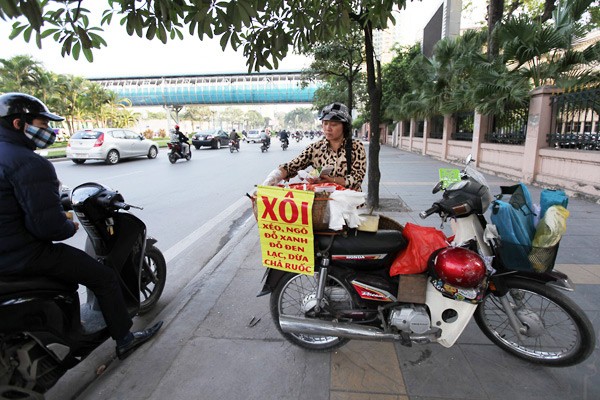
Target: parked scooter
{"type": "Point", "coordinates": [234, 145]}
{"type": "Point", "coordinates": [176, 152]}
{"type": "Point", "coordinates": [353, 296]}
{"type": "Point", "coordinates": [44, 330]}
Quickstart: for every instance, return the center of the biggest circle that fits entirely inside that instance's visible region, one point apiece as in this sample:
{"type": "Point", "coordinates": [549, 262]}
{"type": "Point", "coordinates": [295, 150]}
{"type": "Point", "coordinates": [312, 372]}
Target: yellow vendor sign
{"type": "Point", "coordinates": [285, 229]}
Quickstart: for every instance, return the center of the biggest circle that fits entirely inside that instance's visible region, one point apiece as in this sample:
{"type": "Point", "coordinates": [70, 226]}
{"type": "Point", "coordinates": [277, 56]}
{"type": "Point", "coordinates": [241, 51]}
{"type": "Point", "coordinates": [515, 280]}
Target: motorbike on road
{"type": "Point", "coordinates": [234, 145]}
{"type": "Point", "coordinates": [266, 143]}
{"type": "Point", "coordinates": [353, 296]}
{"type": "Point", "coordinates": [176, 152]}
{"type": "Point", "coordinates": [45, 331]}
{"type": "Point", "coordinates": [285, 144]}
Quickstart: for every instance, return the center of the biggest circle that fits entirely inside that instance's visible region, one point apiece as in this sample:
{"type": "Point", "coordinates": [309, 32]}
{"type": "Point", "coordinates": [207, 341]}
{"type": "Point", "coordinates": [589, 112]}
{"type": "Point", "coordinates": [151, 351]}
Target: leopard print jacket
{"type": "Point", "coordinates": [319, 154]}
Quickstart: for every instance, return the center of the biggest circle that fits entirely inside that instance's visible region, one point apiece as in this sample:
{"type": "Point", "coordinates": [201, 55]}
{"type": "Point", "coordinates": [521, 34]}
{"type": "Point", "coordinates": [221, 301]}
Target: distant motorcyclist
{"type": "Point", "coordinates": [284, 136]}
{"type": "Point", "coordinates": [235, 138]}
{"type": "Point", "coordinates": [182, 139]}
{"type": "Point", "coordinates": [265, 138]}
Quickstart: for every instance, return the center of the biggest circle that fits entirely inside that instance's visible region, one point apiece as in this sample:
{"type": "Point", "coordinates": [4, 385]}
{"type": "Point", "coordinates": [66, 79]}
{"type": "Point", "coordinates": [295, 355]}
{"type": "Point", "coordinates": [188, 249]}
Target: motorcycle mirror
{"type": "Point", "coordinates": [437, 187]}
{"type": "Point", "coordinates": [469, 159]}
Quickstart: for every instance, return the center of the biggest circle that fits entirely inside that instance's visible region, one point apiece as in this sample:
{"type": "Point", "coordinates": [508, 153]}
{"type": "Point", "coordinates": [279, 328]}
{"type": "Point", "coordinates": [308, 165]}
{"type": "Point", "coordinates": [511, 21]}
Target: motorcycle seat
{"type": "Point", "coordinates": [363, 249]}
{"type": "Point", "coordinates": [19, 284]}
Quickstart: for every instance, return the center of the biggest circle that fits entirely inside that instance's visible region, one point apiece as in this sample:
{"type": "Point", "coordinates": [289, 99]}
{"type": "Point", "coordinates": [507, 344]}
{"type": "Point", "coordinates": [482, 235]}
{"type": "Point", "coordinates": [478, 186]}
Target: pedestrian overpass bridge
{"type": "Point", "coordinates": [235, 88]}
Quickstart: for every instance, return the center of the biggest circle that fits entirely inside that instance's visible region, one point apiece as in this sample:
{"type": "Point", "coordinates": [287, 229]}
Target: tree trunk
{"type": "Point", "coordinates": [374, 91]}
{"type": "Point", "coordinates": [350, 96]}
{"type": "Point", "coordinates": [495, 12]}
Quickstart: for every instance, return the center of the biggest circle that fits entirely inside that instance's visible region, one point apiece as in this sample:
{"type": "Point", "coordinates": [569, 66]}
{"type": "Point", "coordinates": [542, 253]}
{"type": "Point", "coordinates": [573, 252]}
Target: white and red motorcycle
{"type": "Point", "coordinates": [353, 296]}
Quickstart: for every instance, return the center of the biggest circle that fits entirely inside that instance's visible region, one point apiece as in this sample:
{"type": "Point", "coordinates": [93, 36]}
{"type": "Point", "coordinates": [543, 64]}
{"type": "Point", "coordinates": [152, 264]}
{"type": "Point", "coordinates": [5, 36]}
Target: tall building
{"type": "Point", "coordinates": [426, 22]}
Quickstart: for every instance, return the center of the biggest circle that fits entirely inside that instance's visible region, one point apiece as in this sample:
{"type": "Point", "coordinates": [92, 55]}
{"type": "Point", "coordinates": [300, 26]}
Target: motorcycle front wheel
{"type": "Point", "coordinates": [556, 333]}
{"type": "Point", "coordinates": [295, 295]}
{"type": "Point", "coordinates": [154, 276]}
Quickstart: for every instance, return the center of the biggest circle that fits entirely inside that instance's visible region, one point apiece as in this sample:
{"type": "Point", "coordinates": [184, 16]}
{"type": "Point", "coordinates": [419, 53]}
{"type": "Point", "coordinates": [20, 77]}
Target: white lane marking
{"type": "Point", "coordinates": [186, 242]}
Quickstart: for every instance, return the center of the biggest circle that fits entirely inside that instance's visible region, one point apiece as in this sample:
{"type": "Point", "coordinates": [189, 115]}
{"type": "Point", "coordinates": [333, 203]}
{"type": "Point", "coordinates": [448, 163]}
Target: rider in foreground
{"type": "Point", "coordinates": [32, 218]}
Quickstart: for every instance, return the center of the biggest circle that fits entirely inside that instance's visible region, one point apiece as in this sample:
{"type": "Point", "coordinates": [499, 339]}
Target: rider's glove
{"type": "Point", "coordinates": [273, 178]}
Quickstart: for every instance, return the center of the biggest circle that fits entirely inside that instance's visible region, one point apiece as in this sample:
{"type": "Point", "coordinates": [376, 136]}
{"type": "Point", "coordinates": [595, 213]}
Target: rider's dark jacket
{"type": "Point", "coordinates": [30, 211]}
{"type": "Point", "coordinates": [181, 137]}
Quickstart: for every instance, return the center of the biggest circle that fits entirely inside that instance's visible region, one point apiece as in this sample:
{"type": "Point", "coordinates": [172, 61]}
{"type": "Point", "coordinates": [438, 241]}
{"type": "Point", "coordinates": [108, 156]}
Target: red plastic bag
{"type": "Point", "coordinates": [422, 241]}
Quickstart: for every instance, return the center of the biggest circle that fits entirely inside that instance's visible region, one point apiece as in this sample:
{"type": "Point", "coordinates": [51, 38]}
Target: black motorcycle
{"type": "Point", "coordinates": [285, 143]}
{"type": "Point", "coordinates": [234, 145]}
{"type": "Point", "coordinates": [176, 152]}
{"type": "Point", "coordinates": [266, 143]}
{"type": "Point", "coordinates": [45, 331]}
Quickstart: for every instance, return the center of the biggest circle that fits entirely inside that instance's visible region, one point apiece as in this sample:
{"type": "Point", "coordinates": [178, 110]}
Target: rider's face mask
{"type": "Point", "coordinates": [42, 137]}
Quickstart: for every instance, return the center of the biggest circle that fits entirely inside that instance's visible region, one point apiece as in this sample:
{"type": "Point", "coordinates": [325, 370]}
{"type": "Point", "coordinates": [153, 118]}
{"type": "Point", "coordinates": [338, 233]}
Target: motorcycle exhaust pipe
{"type": "Point", "coordinates": [291, 324]}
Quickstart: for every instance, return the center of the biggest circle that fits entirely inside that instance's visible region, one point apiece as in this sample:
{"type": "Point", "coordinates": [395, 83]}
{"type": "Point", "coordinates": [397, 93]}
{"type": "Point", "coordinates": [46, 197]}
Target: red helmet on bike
{"type": "Point", "coordinates": [176, 126]}
{"type": "Point", "coordinates": [458, 267]}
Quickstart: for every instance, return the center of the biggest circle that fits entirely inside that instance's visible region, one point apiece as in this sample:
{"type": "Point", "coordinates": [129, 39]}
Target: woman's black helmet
{"type": "Point", "coordinates": [21, 103]}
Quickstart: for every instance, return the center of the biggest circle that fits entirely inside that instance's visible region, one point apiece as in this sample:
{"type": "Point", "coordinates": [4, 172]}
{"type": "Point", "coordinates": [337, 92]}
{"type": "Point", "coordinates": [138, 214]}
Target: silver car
{"type": "Point", "coordinates": [109, 144]}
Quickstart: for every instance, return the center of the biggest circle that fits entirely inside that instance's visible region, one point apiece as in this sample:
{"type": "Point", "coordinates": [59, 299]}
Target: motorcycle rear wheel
{"type": "Point", "coordinates": [294, 295]}
{"type": "Point", "coordinates": [172, 158]}
{"type": "Point", "coordinates": [558, 333]}
{"type": "Point", "coordinates": [154, 276]}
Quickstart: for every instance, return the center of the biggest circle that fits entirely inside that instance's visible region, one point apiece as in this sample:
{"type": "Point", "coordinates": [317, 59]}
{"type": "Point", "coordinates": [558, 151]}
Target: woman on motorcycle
{"type": "Point", "coordinates": [32, 218]}
{"type": "Point", "coordinates": [337, 149]}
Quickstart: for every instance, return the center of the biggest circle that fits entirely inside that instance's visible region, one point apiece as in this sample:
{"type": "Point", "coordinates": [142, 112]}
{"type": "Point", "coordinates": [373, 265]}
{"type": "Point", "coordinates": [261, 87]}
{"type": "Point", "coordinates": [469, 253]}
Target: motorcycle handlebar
{"type": "Point", "coordinates": [121, 205]}
{"type": "Point", "coordinates": [432, 210]}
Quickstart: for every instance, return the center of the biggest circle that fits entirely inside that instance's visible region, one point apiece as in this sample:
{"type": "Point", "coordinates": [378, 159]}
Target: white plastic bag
{"type": "Point", "coordinates": [343, 209]}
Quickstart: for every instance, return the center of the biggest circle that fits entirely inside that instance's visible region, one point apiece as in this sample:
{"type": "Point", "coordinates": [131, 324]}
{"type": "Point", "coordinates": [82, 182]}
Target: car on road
{"type": "Point", "coordinates": [109, 144]}
{"type": "Point", "coordinates": [253, 136]}
{"type": "Point", "coordinates": [214, 138]}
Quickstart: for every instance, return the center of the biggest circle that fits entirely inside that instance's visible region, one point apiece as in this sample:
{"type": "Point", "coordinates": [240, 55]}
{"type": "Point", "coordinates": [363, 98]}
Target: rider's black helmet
{"type": "Point", "coordinates": [23, 104]}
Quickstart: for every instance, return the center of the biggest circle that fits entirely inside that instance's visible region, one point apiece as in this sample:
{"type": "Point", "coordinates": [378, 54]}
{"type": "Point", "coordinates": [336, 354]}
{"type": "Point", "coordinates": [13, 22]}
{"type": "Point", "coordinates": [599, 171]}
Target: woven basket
{"type": "Point", "coordinates": [320, 213]}
{"type": "Point", "coordinates": [386, 223]}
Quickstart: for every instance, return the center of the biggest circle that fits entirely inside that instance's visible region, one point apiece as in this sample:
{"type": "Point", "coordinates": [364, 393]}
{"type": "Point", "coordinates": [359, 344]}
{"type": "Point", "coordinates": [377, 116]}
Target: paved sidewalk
{"type": "Point", "coordinates": [212, 348]}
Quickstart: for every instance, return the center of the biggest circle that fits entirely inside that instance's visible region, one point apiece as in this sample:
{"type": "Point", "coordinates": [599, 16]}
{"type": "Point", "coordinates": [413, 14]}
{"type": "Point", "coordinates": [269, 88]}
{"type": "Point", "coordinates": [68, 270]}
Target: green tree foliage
{"type": "Point", "coordinates": [81, 102]}
{"type": "Point", "coordinates": [253, 119]}
{"type": "Point", "coordinates": [338, 60]}
{"type": "Point", "coordinates": [300, 118]}
{"type": "Point", "coordinates": [233, 117]}
{"type": "Point", "coordinates": [396, 79]}
{"type": "Point", "coordinates": [461, 76]}
{"type": "Point", "coordinates": [197, 114]}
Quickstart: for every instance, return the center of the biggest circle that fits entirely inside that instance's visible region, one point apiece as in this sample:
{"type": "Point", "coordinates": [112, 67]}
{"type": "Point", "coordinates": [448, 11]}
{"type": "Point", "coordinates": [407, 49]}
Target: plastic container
{"type": "Point", "coordinates": [370, 223]}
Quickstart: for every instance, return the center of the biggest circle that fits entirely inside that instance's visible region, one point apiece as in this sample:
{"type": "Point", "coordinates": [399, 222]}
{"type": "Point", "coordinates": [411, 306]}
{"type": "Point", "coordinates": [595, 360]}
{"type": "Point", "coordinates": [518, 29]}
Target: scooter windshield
{"type": "Point", "coordinates": [86, 190]}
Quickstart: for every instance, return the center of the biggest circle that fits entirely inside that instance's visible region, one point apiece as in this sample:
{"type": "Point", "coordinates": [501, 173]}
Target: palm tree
{"type": "Point", "coordinates": [543, 53]}
{"type": "Point", "coordinates": [18, 74]}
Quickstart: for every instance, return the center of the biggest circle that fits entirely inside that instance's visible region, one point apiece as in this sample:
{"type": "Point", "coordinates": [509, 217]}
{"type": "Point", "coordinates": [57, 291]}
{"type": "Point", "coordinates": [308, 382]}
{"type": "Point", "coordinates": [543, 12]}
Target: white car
{"type": "Point", "coordinates": [109, 144]}
{"type": "Point", "coordinates": [253, 136]}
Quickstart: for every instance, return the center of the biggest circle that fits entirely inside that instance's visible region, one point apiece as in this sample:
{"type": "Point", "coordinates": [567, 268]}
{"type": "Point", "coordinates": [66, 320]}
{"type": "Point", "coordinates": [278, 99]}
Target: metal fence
{"type": "Point", "coordinates": [420, 129]}
{"type": "Point", "coordinates": [510, 128]}
{"type": "Point", "coordinates": [576, 122]}
{"type": "Point", "coordinates": [465, 122]}
{"type": "Point", "coordinates": [437, 127]}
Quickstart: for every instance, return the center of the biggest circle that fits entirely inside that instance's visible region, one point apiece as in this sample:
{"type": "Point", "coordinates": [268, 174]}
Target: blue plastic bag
{"type": "Point", "coordinates": [549, 198]}
{"type": "Point", "coordinates": [514, 220]}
